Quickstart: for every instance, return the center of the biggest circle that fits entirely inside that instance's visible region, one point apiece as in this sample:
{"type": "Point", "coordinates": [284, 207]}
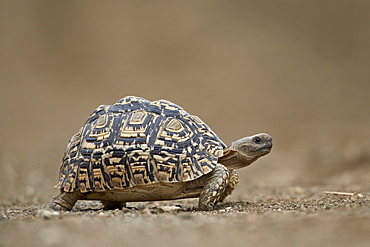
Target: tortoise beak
{"type": "Point", "coordinates": [266, 148]}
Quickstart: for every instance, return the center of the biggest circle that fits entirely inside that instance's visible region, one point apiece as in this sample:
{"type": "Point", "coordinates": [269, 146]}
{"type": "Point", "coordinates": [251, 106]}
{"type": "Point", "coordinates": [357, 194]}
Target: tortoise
{"type": "Point", "coordinates": [137, 150]}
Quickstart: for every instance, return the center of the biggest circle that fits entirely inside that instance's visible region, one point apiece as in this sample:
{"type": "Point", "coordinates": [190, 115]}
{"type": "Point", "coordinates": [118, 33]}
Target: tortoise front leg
{"type": "Point", "coordinates": [231, 186]}
{"type": "Point", "coordinates": [65, 200]}
{"type": "Point", "coordinates": [215, 188]}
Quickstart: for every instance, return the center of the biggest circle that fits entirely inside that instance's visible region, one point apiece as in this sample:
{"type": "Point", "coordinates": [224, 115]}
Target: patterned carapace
{"type": "Point", "coordinates": [138, 142]}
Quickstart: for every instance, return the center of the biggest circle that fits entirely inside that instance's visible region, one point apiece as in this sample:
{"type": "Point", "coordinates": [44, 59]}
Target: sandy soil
{"type": "Point", "coordinates": [299, 216]}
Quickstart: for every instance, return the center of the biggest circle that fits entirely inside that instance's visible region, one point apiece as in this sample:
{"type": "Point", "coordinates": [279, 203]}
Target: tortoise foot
{"type": "Point", "coordinates": [64, 201]}
{"type": "Point", "coordinates": [56, 206]}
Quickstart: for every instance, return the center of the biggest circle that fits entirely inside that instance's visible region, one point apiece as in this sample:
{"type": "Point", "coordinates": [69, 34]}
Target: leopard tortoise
{"type": "Point", "coordinates": [137, 150]}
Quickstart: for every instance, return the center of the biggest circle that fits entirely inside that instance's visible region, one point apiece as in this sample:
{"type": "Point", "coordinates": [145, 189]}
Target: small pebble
{"type": "Point", "coordinates": [102, 214]}
{"type": "Point", "coordinates": [47, 214]}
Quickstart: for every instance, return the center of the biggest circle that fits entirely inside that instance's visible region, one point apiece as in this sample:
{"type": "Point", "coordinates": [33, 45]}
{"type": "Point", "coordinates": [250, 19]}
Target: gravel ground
{"type": "Point", "coordinates": [276, 217]}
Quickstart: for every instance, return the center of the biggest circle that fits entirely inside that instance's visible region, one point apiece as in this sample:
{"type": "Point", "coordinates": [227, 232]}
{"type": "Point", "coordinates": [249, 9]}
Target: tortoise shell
{"type": "Point", "coordinates": [136, 142]}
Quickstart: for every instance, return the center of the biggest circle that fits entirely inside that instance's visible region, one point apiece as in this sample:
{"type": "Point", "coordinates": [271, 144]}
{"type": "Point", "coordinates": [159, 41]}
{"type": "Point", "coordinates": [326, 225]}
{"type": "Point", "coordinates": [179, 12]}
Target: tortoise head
{"type": "Point", "coordinates": [245, 151]}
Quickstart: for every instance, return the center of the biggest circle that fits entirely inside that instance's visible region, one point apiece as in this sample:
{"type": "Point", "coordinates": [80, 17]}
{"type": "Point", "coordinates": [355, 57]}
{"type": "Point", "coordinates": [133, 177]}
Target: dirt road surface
{"type": "Point", "coordinates": [297, 217]}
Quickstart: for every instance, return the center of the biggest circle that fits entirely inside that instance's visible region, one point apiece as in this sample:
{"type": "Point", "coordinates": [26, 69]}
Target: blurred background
{"type": "Point", "coordinates": [298, 70]}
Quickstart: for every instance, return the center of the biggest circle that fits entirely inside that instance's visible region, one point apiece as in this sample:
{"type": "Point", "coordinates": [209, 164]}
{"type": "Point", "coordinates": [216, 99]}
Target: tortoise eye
{"type": "Point", "coordinates": [257, 140]}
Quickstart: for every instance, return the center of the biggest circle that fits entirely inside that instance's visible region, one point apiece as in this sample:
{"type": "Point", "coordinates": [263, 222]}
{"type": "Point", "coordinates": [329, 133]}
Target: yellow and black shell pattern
{"type": "Point", "coordinates": [136, 142]}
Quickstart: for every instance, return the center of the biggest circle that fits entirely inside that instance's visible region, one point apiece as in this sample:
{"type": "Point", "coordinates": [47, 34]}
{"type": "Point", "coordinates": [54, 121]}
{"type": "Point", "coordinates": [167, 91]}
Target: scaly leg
{"type": "Point", "coordinates": [233, 182]}
{"type": "Point", "coordinates": [65, 200]}
{"type": "Point", "coordinates": [214, 188]}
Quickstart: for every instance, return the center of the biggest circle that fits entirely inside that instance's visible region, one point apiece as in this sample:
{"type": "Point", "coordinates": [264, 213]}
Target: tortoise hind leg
{"type": "Point", "coordinates": [110, 205]}
{"type": "Point", "coordinates": [65, 200]}
{"type": "Point", "coordinates": [215, 188]}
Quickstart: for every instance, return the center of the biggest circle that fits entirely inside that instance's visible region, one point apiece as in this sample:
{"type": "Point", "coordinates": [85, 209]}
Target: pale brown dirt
{"type": "Point", "coordinates": [297, 70]}
{"type": "Point", "coordinates": [300, 217]}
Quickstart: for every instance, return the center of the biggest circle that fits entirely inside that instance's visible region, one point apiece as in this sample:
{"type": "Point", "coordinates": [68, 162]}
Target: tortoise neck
{"type": "Point", "coordinates": [234, 160]}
